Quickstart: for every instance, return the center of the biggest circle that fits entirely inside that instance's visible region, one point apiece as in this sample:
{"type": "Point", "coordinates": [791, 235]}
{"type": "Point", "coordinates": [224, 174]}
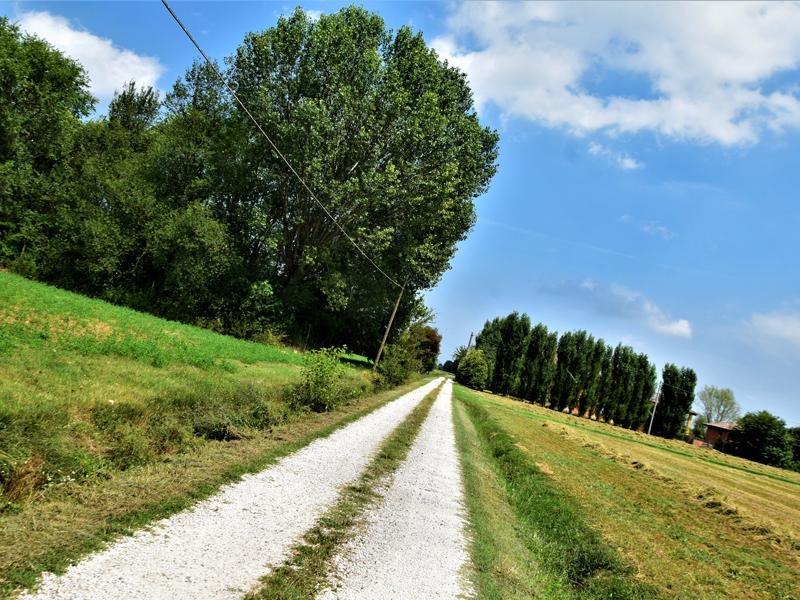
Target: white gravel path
{"type": "Point", "coordinates": [222, 546]}
{"type": "Point", "coordinates": [414, 545]}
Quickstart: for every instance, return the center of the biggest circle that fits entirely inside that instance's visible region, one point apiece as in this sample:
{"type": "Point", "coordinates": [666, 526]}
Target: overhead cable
{"type": "Point", "coordinates": [274, 147]}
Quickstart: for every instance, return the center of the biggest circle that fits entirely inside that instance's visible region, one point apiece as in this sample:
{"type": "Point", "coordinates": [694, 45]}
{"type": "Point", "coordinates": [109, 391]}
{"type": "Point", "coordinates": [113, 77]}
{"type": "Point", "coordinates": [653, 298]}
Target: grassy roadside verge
{"type": "Point", "coordinates": [569, 559]}
{"type": "Point", "coordinates": [72, 520]}
{"type": "Point", "coordinates": [503, 566]}
{"type": "Point", "coordinates": [302, 576]}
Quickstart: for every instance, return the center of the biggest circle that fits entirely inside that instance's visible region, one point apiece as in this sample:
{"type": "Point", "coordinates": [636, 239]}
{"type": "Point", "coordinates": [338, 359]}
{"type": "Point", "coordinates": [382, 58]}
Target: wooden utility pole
{"type": "Point", "coordinates": [389, 327]}
{"type": "Point", "coordinates": [469, 343]}
{"type": "Point", "coordinates": [655, 406]}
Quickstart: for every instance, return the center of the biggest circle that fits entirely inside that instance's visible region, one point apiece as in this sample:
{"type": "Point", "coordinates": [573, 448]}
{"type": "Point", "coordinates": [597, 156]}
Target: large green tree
{"type": "Point", "coordinates": [513, 334]}
{"type": "Point", "coordinates": [763, 437]}
{"type": "Point", "coordinates": [488, 340]}
{"type": "Point", "coordinates": [473, 369]}
{"type": "Point", "coordinates": [43, 96]}
{"type": "Point", "coordinates": [184, 209]}
{"type": "Point", "coordinates": [381, 130]}
{"type": "Point", "coordinates": [719, 404]}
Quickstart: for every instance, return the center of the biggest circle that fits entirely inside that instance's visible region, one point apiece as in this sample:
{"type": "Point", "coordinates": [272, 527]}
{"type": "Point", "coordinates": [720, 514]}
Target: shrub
{"type": "Point", "coordinates": [321, 388]}
{"type": "Point", "coordinates": [397, 365]}
{"type": "Point", "coordinates": [473, 370]}
{"type": "Point", "coordinates": [267, 413]}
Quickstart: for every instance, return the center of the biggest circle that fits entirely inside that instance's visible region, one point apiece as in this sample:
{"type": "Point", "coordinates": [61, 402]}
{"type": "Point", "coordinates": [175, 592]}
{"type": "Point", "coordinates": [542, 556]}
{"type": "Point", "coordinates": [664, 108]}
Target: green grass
{"type": "Point", "coordinates": [687, 527]}
{"type": "Point", "coordinates": [755, 496]}
{"type": "Point", "coordinates": [88, 388]}
{"type": "Point", "coordinates": [504, 568]}
{"type": "Point", "coordinates": [37, 315]}
{"type": "Point", "coordinates": [306, 572]}
{"type": "Point", "coordinates": [357, 359]}
{"type": "Point", "coordinates": [578, 562]}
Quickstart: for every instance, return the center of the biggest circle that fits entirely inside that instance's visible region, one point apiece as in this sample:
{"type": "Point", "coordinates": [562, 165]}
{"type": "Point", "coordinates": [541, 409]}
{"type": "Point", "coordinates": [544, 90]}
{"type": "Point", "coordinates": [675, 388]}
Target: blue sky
{"type": "Point", "coordinates": [649, 164]}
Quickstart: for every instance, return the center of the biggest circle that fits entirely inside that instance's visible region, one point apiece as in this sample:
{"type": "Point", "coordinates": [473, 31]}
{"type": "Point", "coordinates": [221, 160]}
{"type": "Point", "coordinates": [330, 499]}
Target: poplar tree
{"type": "Point", "coordinates": [487, 340]}
{"type": "Point", "coordinates": [545, 375]}
{"type": "Point", "coordinates": [594, 381]}
{"type": "Point", "coordinates": [677, 395]}
{"type": "Point", "coordinates": [513, 331]}
{"type": "Point", "coordinates": [603, 401]}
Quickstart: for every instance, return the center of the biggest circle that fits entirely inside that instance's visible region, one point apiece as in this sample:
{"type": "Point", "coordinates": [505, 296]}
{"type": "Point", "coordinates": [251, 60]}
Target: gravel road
{"type": "Point", "coordinates": [222, 546]}
{"type": "Point", "coordinates": [413, 545]}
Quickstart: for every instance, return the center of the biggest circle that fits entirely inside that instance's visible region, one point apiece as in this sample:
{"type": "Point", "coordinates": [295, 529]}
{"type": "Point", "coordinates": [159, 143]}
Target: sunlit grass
{"type": "Point", "coordinates": [688, 522]}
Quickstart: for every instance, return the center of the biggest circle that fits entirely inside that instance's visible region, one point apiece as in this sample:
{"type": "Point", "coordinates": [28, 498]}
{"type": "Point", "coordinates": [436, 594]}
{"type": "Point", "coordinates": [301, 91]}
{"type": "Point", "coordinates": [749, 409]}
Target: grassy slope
{"type": "Point", "coordinates": [110, 418]}
{"type": "Point", "coordinates": [87, 388]}
{"type": "Point", "coordinates": [650, 500]}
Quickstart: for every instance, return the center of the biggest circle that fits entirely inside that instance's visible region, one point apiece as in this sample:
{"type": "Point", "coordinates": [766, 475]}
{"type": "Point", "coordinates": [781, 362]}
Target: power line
{"type": "Point", "coordinates": [675, 387]}
{"type": "Point", "coordinates": [272, 144]}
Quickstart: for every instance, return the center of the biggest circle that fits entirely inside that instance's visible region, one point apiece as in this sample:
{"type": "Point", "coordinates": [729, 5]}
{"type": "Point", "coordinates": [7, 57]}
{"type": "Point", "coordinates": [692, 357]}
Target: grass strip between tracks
{"type": "Point", "coordinates": [305, 573]}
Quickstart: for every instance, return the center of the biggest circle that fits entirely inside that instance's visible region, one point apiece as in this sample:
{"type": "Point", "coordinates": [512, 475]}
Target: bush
{"type": "Point", "coordinates": [321, 388]}
{"type": "Point", "coordinates": [397, 365]}
{"type": "Point", "coordinates": [473, 370]}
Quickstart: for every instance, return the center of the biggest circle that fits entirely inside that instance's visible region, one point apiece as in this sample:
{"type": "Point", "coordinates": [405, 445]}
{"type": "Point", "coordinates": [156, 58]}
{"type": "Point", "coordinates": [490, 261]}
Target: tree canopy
{"type": "Point", "coordinates": [178, 206]}
{"type": "Point", "coordinates": [675, 400]}
{"type": "Point", "coordinates": [573, 371]}
{"type": "Point", "coordinates": [719, 404]}
{"type": "Point", "coordinates": [763, 437]}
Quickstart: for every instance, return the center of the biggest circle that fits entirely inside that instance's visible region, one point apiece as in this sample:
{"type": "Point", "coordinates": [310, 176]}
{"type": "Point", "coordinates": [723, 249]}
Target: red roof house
{"type": "Point", "coordinates": [718, 434]}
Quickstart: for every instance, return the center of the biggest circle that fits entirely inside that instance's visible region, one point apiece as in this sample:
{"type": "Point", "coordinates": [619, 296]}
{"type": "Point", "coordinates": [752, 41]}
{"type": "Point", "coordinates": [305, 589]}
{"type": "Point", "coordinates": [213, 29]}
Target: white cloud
{"type": "Point", "coordinates": [623, 161]}
{"type": "Point", "coordinates": [706, 65]}
{"type": "Point", "coordinates": [649, 227]}
{"type": "Point", "coordinates": [313, 15]}
{"type": "Point", "coordinates": [637, 305]}
{"type": "Point", "coordinates": [108, 66]}
{"type": "Point", "coordinates": [620, 301]}
{"type": "Point", "coordinates": [781, 326]}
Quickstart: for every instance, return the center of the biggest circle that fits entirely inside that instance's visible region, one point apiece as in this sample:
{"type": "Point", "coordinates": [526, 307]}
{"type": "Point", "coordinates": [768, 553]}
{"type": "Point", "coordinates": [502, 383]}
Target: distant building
{"type": "Point", "coordinates": [718, 434]}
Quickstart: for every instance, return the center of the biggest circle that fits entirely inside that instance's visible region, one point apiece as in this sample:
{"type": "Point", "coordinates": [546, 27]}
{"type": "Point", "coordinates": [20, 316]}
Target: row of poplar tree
{"type": "Point", "coordinates": [576, 371]}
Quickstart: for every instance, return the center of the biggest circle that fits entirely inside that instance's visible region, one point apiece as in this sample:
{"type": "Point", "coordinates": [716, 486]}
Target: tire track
{"type": "Point", "coordinates": [414, 543]}
{"type": "Point", "coordinates": [222, 546]}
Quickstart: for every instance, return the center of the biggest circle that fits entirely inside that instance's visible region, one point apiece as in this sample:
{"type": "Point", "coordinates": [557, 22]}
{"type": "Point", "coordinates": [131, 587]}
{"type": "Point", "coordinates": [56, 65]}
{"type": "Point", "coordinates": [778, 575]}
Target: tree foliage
{"type": "Point", "coordinates": [179, 207]}
{"type": "Point", "coordinates": [718, 404]}
{"type": "Point", "coordinates": [763, 437]}
{"type": "Point", "coordinates": [574, 371]}
{"type": "Point", "coordinates": [675, 401]}
{"type": "Point", "coordinates": [513, 333]}
{"type": "Point", "coordinates": [795, 433]}
{"type": "Point", "coordinates": [473, 369]}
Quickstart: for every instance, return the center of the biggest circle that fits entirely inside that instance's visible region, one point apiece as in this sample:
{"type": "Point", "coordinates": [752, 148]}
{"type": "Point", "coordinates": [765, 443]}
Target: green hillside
{"type": "Point", "coordinates": [111, 418]}
{"type": "Point", "coordinates": [87, 388]}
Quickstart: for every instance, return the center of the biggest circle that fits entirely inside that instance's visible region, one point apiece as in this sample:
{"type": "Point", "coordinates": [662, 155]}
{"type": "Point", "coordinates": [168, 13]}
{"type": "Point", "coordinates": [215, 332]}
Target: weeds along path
{"type": "Point", "coordinates": [414, 544]}
{"type": "Point", "coordinates": [222, 546]}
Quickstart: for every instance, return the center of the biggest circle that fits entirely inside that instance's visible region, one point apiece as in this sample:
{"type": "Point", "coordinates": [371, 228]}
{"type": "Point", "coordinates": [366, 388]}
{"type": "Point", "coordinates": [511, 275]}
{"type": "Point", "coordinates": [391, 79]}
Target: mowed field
{"type": "Point", "coordinates": [662, 518]}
